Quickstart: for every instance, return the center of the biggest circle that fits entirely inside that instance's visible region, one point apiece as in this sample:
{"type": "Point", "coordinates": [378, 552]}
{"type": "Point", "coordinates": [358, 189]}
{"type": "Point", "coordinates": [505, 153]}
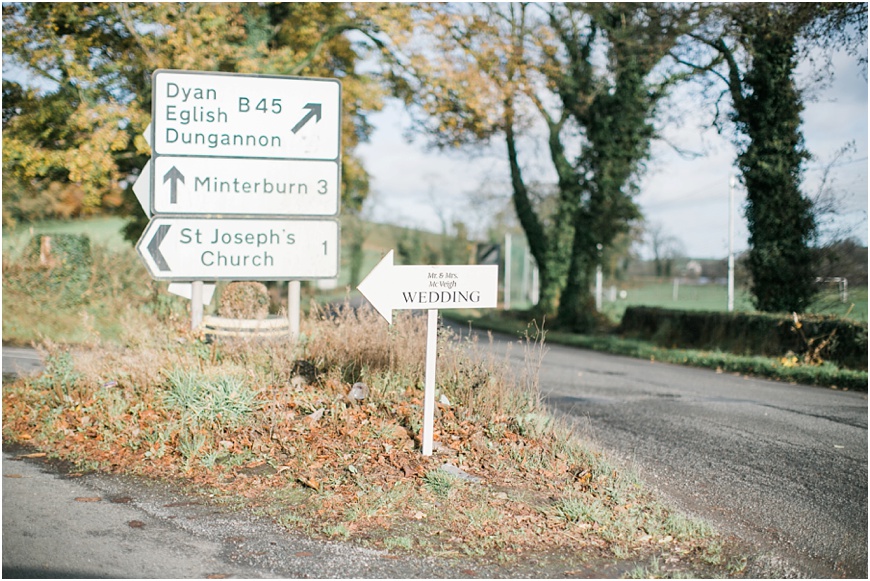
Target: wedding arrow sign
{"type": "Point", "coordinates": [429, 287]}
{"type": "Point", "coordinates": [389, 287]}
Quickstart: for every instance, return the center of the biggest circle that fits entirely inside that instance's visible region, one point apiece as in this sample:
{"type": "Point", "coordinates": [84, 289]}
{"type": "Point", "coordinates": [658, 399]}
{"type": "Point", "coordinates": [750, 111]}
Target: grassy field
{"type": "Point", "coordinates": [713, 297]}
{"type": "Point", "coordinates": [103, 230]}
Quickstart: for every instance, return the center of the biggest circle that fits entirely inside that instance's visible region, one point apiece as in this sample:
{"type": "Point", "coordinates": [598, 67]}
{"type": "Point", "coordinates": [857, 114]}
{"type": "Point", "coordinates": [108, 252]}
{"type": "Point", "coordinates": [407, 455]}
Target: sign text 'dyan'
{"type": "Point", "coordinates": [252, 116]}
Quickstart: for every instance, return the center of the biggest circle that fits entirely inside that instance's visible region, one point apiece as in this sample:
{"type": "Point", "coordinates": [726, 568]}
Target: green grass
{"type": "Point", "coordinates": [105, 230]}
{"type": "Point", "coordinates": [661, 294]}
{"type": "Point", "coordinates": [714, 297]}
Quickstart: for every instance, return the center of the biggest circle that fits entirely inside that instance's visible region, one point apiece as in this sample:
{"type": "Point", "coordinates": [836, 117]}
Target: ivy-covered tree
{"type": "Point", "coordinates": [761, 45]}
{"type": "Point", "coordinates": [614, 107]}
{"type": "Point", "coordinates": [493, 70]}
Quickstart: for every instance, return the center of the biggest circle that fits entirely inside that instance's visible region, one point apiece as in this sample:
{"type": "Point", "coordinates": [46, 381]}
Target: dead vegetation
{"type": "Point", "coordinates": [272, 424]}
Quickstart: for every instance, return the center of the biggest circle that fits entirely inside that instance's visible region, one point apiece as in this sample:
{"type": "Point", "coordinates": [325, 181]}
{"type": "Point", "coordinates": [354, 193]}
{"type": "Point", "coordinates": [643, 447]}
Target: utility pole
{"type": "Point", "coordinates": [507, 271]}
{"type": "Point", "coordinates": [731, 243]}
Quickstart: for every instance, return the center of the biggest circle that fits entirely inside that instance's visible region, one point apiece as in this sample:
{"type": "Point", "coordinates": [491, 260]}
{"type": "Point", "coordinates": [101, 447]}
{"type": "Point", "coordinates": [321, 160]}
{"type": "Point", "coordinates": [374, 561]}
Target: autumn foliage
{"type": "Point", "coordinates": [270, 422]}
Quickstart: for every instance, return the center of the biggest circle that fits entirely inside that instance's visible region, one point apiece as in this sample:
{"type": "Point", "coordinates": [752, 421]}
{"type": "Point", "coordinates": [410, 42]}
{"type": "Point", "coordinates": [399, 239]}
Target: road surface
{"type": "Point", "coordinates": [781, 466]}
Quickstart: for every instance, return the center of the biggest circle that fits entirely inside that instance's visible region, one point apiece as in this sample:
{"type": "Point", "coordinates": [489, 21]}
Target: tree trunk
{"type": "Point", "coordinates": [780, 218]}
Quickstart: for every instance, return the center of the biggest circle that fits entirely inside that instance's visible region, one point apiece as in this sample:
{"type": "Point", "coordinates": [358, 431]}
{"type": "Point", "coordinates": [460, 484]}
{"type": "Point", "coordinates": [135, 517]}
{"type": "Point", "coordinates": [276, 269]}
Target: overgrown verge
{"type": "Point", "coordinates": [813, 339]}
{"type": "Point", "coordinates": [788, 367]}
{"type": "Point", "coordinates": [70, 290]}
{"type": "Point", "coordinates": [323, 435]}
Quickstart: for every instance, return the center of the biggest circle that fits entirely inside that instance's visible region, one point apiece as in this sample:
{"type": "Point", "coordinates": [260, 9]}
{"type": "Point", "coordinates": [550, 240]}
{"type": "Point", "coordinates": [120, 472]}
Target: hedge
{"type": "Point", "coordinates": [57, 267]}
{"type": "Point", "coordinates": [839, 341]}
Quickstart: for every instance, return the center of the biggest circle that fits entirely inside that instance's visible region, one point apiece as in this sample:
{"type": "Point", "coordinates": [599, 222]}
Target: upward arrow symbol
{"type": "Point", "coordinates": [173, 176]}
{"type": "Point", "coordinates": [314, 110]}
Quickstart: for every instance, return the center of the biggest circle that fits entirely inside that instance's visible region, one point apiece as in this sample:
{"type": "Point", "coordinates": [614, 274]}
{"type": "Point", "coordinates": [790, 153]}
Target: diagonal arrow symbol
{"type": "Point", "coordinates": [314, 110]}
{"type": "Point", "coordinates": [173, 176]}
{"type": "Point", "coordinates": [154, 247]}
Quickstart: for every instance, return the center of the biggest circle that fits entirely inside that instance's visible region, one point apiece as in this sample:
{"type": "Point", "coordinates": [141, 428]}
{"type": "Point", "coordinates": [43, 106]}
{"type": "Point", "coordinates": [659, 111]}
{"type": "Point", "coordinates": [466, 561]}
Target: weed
{"type": "Point", "coordinates": [653, 570]}
{"type": "Point", "coordinates": [59, 377]}
{"type": "Point", "coordinates": [190, 445]}
{"type": "Point", "coordinates": [339, 531]}
{"type": "Point", "coordinates": [405, 543]}
{"type": "Point", "coordinates": [681, 527]}
{"type": "Point", "coordinates": [578, 510]}
{"type": "Point", "coordinates": [440, 482]}
{"type": "Point", "coordinates": [222, 401]}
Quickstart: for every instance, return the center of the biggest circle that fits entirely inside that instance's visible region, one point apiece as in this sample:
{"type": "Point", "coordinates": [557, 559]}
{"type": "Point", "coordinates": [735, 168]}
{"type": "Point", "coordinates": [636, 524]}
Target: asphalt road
{"type": "Point", "coordinates": [783, 467]}
{"type": "Point", "coordinates": [109, 527]}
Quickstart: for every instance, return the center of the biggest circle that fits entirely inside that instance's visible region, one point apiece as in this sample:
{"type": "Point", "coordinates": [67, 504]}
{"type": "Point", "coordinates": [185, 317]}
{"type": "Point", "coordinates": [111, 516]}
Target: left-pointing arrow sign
{"type": "Point", "coordinates": [173, 176]}
{"type": "Point", "coordinates": [207, 248]}
{"type": "Point", "coordinates": [154, 247]}
{"type": "Point", "coordinates": [436, 286]}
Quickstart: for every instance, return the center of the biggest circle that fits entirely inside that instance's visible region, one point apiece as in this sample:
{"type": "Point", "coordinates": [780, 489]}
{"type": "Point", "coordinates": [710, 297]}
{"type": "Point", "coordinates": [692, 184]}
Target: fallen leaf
{"type": "Point", "coordinates": [12, 476]}
{"type": "Point", "coordinates": [304, 554]}
{"type": "Point", "coordinates": [88, 499]}
{"type": "Point", "coordinates": [310, 483]}
{"type": "Point", "coordinates": [315, 416]}
{"type": "Point", "coordinates": [136, 524]}
{"type": "Point", "coordinates": [34, 455]}
{"type": "Point", "coordinates": [217, 576]}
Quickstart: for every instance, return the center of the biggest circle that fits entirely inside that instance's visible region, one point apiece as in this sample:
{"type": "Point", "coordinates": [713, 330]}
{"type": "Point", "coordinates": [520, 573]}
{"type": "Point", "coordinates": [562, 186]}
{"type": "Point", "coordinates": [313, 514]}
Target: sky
{"type": "Point", "coordinates": [413, 185]}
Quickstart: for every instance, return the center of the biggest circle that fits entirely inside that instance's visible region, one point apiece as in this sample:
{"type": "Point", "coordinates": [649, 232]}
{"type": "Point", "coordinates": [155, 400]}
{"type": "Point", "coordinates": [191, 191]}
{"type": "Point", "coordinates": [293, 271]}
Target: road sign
{"type": "Point", "coordinates": [252, 116]}
{"type": "Point", "coordinates": [213, 248]}
{"type": "Point", "coordinates": [233, 186]}
{"type": "Point", "coordinates": [429, 287]}
{"type": "Point", "coordinates": [389, 287]}
{"type": "Point", "coordinates": [142, 188]}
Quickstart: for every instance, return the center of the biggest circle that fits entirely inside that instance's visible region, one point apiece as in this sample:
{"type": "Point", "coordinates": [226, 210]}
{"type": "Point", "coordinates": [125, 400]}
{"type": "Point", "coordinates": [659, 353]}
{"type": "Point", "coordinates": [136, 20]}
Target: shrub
{"type": "Point", "coordinates": [244, 300]}
{"type": "Point", "coordinates": [813, 338]}
{"type": "Point", "coordinates": [56, 266]}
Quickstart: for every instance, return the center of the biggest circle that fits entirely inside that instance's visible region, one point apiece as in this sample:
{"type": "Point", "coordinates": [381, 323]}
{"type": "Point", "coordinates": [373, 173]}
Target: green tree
{"type": "Point", "coordinates": [464, 77]}
{"type": "Point", "coordinates": [496, 68]}
{"type": "Point", "coordinates": [762, 45]}
{"type": "Point", "coordinates": [68, 139]}
{"type": "Point", "coordinates": [614, 107]}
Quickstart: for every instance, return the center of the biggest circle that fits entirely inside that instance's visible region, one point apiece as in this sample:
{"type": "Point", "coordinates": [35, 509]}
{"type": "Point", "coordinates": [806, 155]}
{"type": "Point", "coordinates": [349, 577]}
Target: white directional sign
{"type": "Point", "coordinates": [389, 287]}
{"type": "Point", "coordinates": [202, 248]}
{"type": "Point", "coordinates": [142, 188]}
{"type": "Point", "coordinates": [230, 115]}
{"type": "Point", "coordinates": [197, 185]}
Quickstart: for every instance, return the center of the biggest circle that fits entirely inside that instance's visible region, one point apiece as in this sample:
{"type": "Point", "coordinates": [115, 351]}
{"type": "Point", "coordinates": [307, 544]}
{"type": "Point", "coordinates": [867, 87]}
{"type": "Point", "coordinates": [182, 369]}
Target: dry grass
{"type": "Point", "coordinates": [269, 422]}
